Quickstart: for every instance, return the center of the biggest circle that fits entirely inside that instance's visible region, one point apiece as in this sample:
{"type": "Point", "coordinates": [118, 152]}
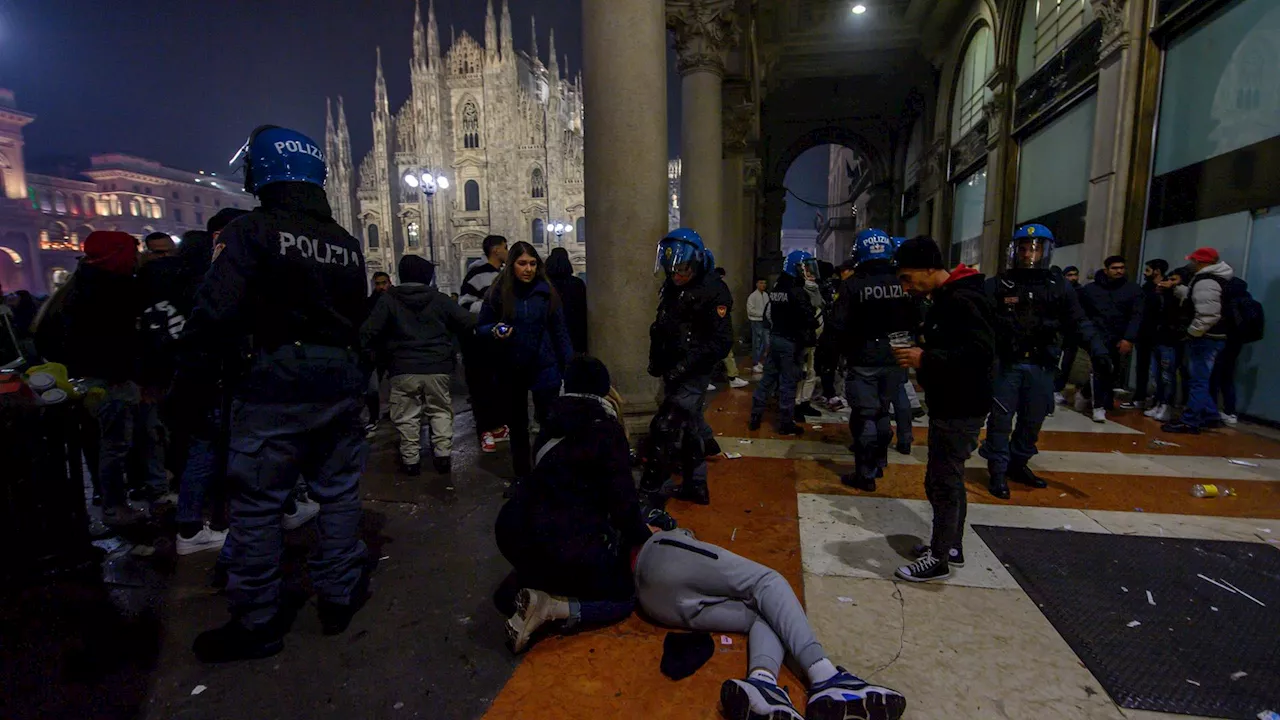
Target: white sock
{"type": "Point", "coordinates": [763, 676]}
{"type": "Point", "coordinates": [821, 671]}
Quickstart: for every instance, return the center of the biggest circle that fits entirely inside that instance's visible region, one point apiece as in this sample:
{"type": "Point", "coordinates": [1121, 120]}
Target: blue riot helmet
{"type": "Point", "coordinates": [274, 154]}
{"type": "Point", "coordinates": [681, 251]}
{"type": "Point", "coordinates": [801, 264]}
{"type": "Point", "coordinates": [872, 244]}
{"type": "Point", "coordinates": [897, 243]}
{"type": "Point", "coordinates": [708, 261]}
{"type": "Point", "coordinates": [1031, 248]}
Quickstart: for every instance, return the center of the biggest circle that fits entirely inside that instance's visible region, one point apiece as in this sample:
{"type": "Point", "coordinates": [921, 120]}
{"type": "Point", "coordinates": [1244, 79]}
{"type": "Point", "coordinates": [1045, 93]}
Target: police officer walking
{"type": "Point", "coordinates": [873, 313]}
{"type": "Point", "coordinates": [292, 280]}
{"type": "Point", "coordinates": [692, 333]}
{"type": "Point", "coordinates": [793, 324]}
{"type": "Point", "coordinates": [1035, 310]}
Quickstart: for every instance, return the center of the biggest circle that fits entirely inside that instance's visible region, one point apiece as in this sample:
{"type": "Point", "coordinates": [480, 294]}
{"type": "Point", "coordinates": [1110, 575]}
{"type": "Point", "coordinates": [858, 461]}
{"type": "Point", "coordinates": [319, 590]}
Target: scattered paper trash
{"type": "Point", "coordinates": [448, 487]}
{"type": "Point", "coordinates": [1238, 674]}
{"type": "Point", "coordinates": [1265, 530]}
{"type": "Point", "coordinates": [1134, 623]}
{"type": "Point", "coordinates": [198, 689]}
{"type": "Point", "coordinates": [726, 640]}
{"type": "Point", "coordinates": [819, 427]}
{"type": "Point", "coordinates": [1138, 510]}
{"type": "Point", "coordinates": [1193, 682]}
{"type": "Point", "coordinates": [744, 441]}
{"type": "Point", "coordinates": [734, 535]}
{"type": "Point", "coordinates": [397, 706]}
{"type": "Point", "coordinates": [1066, 527]}
{"type": "Point", "coordinates": [1244, 463]}
{"type": "Point", "coordinates": [732, 456]}
{"type": "Point", "coordinates": [1150, 600]}
{"type": "Point", "coordinates": [1062, 495]}
{"type": "Point", "coordinates": [1124, 588]}
{"type": "Point", "coordinates": [384, 557]}
{"type": "Point", "coordinates": [1157, 443]}
{"type": "Point", "coordinates": [1241, 592]}
{"type": "Point", "coordinates": [844, 599]}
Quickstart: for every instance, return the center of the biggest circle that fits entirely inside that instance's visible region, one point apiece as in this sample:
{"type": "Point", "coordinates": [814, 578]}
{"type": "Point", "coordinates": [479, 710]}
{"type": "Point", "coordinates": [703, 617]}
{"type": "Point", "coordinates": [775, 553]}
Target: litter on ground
{"type": "Point", "coordinates": [1150, 600]}
{"type": "Point", "coordinates": [198, 689]}
{"type": "Point", "coordinates": [1134, 623]}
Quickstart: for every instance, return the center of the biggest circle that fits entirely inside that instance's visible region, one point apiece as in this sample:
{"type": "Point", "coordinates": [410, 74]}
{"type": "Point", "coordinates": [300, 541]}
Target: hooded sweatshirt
{"type": "Point", "coordinates": [1206, 299]}
{"type": "Point", "coordinates": [413, 326]}
{"type": "Point", "coordinates": [958, 365]}
{"type": "Point", "coordinates": [1114, 306]}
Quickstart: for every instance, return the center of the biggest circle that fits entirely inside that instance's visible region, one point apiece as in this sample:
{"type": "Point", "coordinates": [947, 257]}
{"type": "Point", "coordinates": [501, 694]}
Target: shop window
{"type": "Point", "coordinates": [1047, 27]}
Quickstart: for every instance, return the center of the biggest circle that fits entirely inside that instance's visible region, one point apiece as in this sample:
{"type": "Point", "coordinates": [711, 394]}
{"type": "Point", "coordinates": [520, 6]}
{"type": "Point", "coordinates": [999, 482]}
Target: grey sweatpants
{"type": "Point", "coordinates": [685, 583]}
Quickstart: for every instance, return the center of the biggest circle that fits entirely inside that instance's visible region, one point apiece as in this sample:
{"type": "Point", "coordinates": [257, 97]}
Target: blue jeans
{"type": "Point", "coordinates": [197, 476]}
{"type": "Point", "coordinates": [759, 341]}
{"type": "Point", "coordinates": [271, 445]}
{"type": "Point", "coordinates": [1164, 359]}
{"type": "Point", "coordinates": [1025, 390]}
{"type": "Point", "coordinates": [1202, 353]}
{"type": "Point", "coordinates": [782, 373]}
{"type": "Point", "coordinates": [125, 423]}
{"type": "Point", "coordinates": [902, 413]}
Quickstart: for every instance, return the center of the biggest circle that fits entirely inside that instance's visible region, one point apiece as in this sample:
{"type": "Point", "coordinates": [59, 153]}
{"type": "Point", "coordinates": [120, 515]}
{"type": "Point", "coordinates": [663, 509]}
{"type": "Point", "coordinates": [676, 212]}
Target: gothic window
{"type": "Point", "coordinates": [581, 230]}
{"type": "Point", "coordinates": [1047, 27]}
{"type": "Point", "coordinates": [411, 232]}
{"type": "Point", "coordinates": [373, 237]}
{"type": "Point", "coordinates": [538, 184]}
{"type": "Point", "coordinates": [470, 125]}
{"type": "Point", "coordinates": [971, 81]}
{"type": "Point", "coordinates": [471, 191]}
{"type": "Point", "coordinates": [539, 231]}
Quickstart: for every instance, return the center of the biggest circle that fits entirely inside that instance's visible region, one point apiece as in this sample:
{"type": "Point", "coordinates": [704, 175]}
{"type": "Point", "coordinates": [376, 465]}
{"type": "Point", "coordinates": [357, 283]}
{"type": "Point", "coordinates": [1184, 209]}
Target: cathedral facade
{"type": "Point", "coordinates": [504, 130]}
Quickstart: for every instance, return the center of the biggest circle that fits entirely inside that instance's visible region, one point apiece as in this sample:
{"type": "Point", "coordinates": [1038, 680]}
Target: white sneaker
{"type": "Point", "coordinates": [1151, 411]}
{"type": "Point", "coordinates": [1229, 420]}
{"type": "Point", "coordinates": [758, 368]}
{"type": "Point", "coordinates": [1164, 414]}
{"type": "Point", "coordinates": [1059, 398]}
{"type": "Point", "coordinates": [710, 388]}
{"type": "Point", "coordinates": [1099, 415]}
{"type": "Point", "coordinates": [302, 515]}
{"type": "Point", "coordinates": [738, 383]}
{"type": "Point", "coordinates": [206, 539]}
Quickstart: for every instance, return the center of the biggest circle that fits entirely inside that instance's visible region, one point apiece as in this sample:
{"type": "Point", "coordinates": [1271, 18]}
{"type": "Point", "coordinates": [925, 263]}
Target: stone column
{"type": "Point", "coordinates": [704, 30]}
{"type": "Point", "coordinates": [1118, 80]}
{"type": "Point", "coordinates": [625, 46]}
{"type": "Point", "coordinates": [736, 250]}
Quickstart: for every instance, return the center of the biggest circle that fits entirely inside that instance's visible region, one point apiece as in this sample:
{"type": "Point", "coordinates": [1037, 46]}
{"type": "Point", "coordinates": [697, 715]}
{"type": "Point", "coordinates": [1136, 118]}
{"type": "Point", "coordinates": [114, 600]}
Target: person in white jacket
{"type": "Point", "coordinates": [756, 303]}
{"type": "Point", "coordinates": [1206, 337]}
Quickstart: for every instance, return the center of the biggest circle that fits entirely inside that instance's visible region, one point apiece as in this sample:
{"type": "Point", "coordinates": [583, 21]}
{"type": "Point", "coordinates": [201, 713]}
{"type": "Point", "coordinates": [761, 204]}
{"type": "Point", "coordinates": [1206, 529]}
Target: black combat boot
{"type": "Point", "coordinates": [999, 487]}
{"type": "Point", "coordinates": [1022, 474]}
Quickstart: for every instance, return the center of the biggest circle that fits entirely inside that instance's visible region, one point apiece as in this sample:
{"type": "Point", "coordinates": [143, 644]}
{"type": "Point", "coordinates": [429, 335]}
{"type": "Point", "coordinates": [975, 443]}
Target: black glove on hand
{"type": "Point", "coordinates": [677, 373]}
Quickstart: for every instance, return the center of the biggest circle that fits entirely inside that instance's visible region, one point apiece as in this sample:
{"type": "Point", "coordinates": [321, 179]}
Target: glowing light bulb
{"type": "Point", "coordinates": [859, 9]}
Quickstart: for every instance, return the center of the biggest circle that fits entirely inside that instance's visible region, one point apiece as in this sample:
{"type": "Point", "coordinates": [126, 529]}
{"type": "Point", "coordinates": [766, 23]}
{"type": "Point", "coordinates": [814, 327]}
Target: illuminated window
{"type": "Point", "coordinates": [46, 202]}
{"type": "Point", "coordinates": [975, 68]}
{"type": "Point", "coordinates": [411, 232]}
{"type": "Point", "coordinates": [471, 193]}
{"type": "Point", "coordinates": [60, 202]}
{"type": "Point", "coordinates": [75, 205]}
{"type": "Point", "coordinates": [538, 184]}
{"type": "Point", "coordinates": [135, 207]}
{"type": "Point", "coordinates": [155, 210]}
{"type": "Point", "coordinates": [470, 125]}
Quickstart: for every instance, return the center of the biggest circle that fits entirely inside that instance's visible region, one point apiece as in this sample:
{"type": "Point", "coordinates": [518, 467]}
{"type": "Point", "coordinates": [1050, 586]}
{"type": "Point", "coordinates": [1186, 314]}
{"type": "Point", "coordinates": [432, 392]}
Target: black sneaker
{"type": "Point", "coordinates": [917, 413]}
{"type": "Point", "coordinates": [857, 482]}
{"type": "Point", "coordinates": [1024, 475]}
{"type": "Point", "coordinates": [926, 569]}
{"type": "Point", "coordinates": [904, 448]}
{"type": "Point", "coordinates": [443, 465]}
{"type": "Point", "coordinates": [999, 487]}
{"type": "Point", "coordinates": [754, 423]}
{"type": "Point", "coordinates": [805, 409]}
{"type": "Point", "coordinates": [336, 617]}
{"type": "Point", "coordinates": [234, 641]}
{"type": "Point", "coordinates": [412, 470]}
{"type": "Point", "coordinates": [790, 428]}
{"type": "Point", "coordinates": [659, 518]}
{"type": "Point", "coordinates": [711, 447]}
{"type": "Point", "coordinates": [756, 700]}
{"type": "Point", "coordinates": [955, 558]}
{"type": "Point", "coordinates": [1180, 428]}
{"type": "Point", "coordinates": [698, 494]}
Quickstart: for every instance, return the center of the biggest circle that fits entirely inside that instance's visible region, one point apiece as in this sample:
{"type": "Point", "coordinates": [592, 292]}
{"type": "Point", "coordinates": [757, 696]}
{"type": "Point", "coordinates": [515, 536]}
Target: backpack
{"type": "Point", "coordinates": [1242, 314]}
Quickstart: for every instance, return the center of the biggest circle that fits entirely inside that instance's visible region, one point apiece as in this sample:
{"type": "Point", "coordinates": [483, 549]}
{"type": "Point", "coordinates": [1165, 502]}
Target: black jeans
{"type": "Point", "coordinates": [1142, 356]}
{"type": "Point", "coordinates": [951, 442]}
{"type": "Point", "coordinates": [486, 403]}
{"type": "Point", "coordinates": [1069, 348]}
{"type": "Point", "coordinates": [1104, 383]}
{"type": "Point", "coordinates": [1223, 380]}
{"type": "Point", "coordinates": [515, 404]}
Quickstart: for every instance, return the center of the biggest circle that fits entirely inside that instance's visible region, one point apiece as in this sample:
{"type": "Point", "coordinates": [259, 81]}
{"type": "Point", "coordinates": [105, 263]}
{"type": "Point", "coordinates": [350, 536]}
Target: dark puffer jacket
{"type": "Point", "coordinates": [539, 346]}
{"type": "Point", "coordinates": [413, 327]}
{"type": "Point", "coordinates": [1114, 306]}
{"type": "Point", "coordinates": [581, 493]}
{"type": "Point", "coordinates": [958, 365]}
{"type": "Point", "coordinates": [101, 316]}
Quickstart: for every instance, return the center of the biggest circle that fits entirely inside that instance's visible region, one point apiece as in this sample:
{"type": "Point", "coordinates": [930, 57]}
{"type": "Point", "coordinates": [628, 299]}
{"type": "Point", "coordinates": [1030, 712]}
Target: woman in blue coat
{"type": "Point", "coordinates": [524, 317]}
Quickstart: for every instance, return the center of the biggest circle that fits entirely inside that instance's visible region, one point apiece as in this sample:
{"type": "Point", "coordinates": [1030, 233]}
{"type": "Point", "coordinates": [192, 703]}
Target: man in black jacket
{"type": "Point", "coordinates": [1115, 306]}
{"type": "Point", "coordinates": [414, 326]}
{"type": "Point", "coordinates": [872, 313]}
{"type": "Point", "coordinates": [1153, 273]}
{"type": "Point", "coordinates": [292, 279]}
{"type": "Point", "coordinates": [481, 374]}
{"type": "Point", "coordinates": [793, 324]}
{"type": "Point", "coordinates": [956, 366]}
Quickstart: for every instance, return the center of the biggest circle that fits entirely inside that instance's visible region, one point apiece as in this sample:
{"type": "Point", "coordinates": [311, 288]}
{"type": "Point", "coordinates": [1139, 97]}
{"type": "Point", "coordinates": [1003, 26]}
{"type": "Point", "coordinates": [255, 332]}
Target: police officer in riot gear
{"type": "Point", "coordinates": [693, 332]}
{"type": "Point", "coordinates": [1034, 310]}
{"type": "Point", "coordinates": [872, 312]}
{"type": "Point", "coordinates": [793, 325]}
{"type": "Point", "coordinates": [292, 281]}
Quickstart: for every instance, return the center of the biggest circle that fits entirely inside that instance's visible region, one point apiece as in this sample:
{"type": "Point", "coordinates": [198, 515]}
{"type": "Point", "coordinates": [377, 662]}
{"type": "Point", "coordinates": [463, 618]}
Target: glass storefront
{"type": "Point", "coordinates": [1053, 179]}
{"type": "Point", "coordinates": [967, 220]}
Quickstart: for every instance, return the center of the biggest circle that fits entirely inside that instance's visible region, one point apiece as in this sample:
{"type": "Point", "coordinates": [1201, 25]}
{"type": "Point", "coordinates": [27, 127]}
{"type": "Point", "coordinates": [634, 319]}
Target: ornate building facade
{"type": "Point", "coordinates": [503, 128]}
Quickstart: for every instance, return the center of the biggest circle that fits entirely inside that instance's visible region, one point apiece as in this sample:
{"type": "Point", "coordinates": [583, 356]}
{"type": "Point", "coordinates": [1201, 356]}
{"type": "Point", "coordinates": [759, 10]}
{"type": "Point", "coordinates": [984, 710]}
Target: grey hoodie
{"type": "Point", "coordinates": [1206, 298]}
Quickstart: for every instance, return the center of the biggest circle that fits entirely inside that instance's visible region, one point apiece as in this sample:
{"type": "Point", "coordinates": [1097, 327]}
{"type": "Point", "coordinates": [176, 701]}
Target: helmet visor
{"type": "Point", "coordinates": [1031, 253]}
{"type": "Point", "coordinates": [675, 256]}
{"type": "Point", "coordinates": [807, 269]}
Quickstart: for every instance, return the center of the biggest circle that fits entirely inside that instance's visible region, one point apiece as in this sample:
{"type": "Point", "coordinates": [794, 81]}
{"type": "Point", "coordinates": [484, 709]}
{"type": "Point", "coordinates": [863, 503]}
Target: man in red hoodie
{"type": "Point", "coordinates": [956, 366]}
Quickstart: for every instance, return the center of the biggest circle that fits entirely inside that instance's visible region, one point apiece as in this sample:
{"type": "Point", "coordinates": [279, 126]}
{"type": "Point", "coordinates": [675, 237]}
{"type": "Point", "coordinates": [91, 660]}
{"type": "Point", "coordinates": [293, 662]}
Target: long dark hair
{"type": "Point", "coordinates": [558, 264]}
{"type": "Point", "coordinates": [503, 291]}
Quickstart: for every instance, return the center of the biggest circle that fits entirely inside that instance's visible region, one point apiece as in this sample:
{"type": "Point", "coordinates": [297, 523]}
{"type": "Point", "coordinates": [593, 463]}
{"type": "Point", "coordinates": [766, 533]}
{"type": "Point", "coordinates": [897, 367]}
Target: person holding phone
{"type": "Point", "coordinates": [523, 316]}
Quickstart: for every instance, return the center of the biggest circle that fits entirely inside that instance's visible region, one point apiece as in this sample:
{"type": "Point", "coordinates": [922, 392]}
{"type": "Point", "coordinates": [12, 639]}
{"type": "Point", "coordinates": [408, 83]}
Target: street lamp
{"type": "Point", "coordinates": [429, 183]}
{"type": "Point", "coordinates": [560, 229]}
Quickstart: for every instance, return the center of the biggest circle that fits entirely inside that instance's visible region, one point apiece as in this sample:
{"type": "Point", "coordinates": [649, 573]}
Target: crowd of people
{"type": "Point", "coordinates": [247, 361]}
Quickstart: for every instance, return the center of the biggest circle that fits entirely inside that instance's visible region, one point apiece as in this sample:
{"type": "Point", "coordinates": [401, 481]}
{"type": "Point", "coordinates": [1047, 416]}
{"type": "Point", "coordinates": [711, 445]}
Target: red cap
{"type": "Point", "coordinates": [115, 252]}
{"type": "Point", "coordinates": [1204, 255]}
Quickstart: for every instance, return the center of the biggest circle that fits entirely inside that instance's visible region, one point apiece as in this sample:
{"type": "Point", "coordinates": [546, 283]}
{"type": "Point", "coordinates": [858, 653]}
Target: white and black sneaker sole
{"type": "Point", "coordinates": [875, 704]}
{"type": "Point", "coordinates": [735, 704]}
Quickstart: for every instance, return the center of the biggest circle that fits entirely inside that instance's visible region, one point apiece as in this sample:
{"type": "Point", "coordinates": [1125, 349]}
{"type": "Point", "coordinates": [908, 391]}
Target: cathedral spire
{"type": "Point", "coordinates": [533, 25]}
{"type": "Point", "coordinates": [555, 65]}
{"type": "Point", "coordinates": [344, 137]}
{"type": "Point", "coordinates": [419, 37]}
{"type": "Point", "coordinates": [490, 34]}
{"type": "Point", "coordinates": [380, 103]}
{"type": "Point", "coordinates": [433, 35]}
{"type": "Point", "coordinates": [328, 131]}
{"type": "Point", "coordinates": [508, 44]}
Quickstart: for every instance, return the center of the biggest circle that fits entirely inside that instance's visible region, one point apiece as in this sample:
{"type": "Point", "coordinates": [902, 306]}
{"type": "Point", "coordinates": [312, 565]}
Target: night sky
{"type": "Point", "coordinates": [807, 178]}
{"type": "Point", "coordinates": [184, 81]}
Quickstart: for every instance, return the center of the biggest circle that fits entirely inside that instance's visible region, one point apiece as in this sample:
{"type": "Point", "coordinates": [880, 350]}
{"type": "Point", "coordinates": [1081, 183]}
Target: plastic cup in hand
{"type": "Point", "coordinates": [901, 339]}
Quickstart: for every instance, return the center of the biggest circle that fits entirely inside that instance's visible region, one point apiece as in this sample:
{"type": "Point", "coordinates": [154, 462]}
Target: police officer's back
{"type": "Point", "coordinates": [291, 280]}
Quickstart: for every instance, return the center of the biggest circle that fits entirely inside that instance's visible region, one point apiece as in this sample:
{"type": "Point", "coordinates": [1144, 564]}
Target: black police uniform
{"type": "Point", "coordinates": [294, 281]}
{"type": "Point", "coordinates": [693, 332]}
{"type": "Point", "coordinates": [792, 326]}
{"type": "Point", "coordinates": [871, 305]}
{"type": "Point", "coordinates": [1034, 310]}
